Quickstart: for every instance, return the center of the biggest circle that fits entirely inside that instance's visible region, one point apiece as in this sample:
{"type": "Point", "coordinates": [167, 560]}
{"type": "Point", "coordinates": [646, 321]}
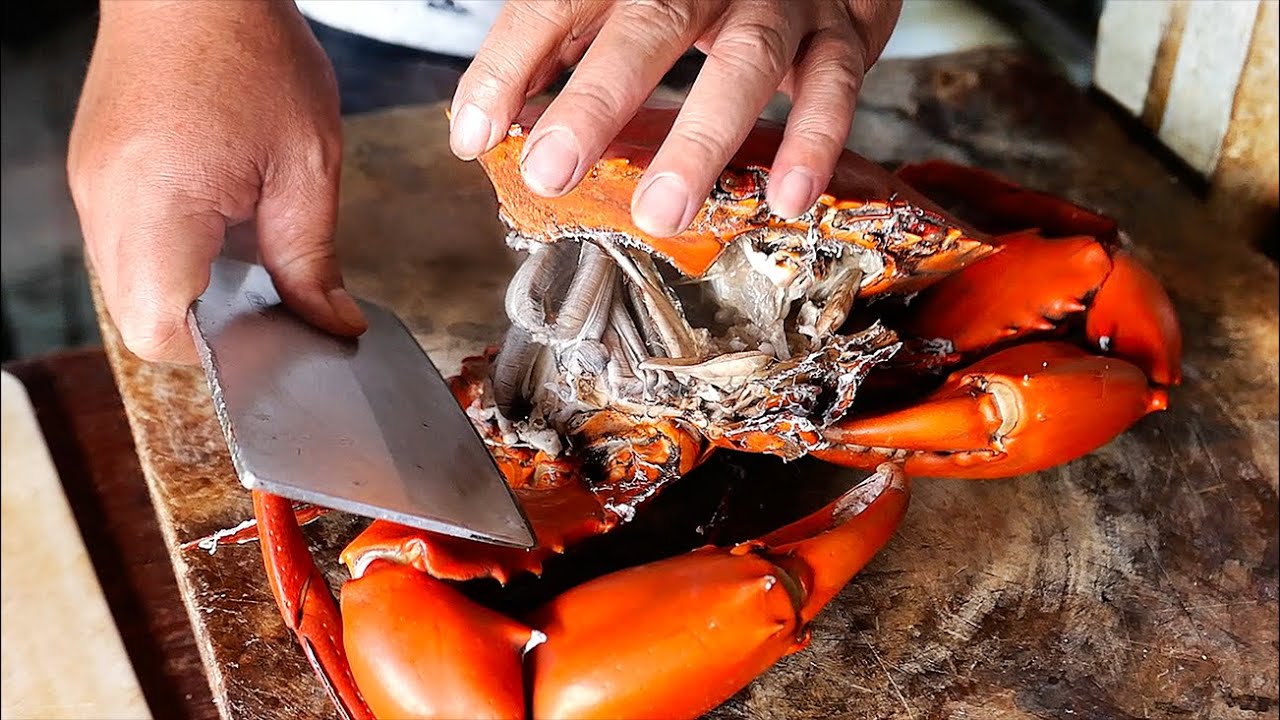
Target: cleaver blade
{"type": "Point", "coordinates": [366, 426]}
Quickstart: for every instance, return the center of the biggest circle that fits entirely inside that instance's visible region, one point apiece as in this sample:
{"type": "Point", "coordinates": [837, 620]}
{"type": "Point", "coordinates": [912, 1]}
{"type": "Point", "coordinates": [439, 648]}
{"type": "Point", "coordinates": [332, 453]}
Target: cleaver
{"type": "Point", "coordinates": [366, 426]}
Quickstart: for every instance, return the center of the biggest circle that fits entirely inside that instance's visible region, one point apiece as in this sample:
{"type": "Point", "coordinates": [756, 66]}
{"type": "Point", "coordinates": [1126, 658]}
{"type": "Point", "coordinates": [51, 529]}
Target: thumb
{"type": "Point", "coordinates": [155, 257]}
{"type": "Point", "coordinates": [295, 240]}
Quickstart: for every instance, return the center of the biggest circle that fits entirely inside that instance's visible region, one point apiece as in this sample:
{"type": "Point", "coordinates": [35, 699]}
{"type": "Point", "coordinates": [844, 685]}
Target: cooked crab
{"type": "Point", "coordinates": [876, 331]}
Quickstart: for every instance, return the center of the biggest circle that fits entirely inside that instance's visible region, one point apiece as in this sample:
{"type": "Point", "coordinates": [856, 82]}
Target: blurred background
{"type": "Point", "coordinates": [45, 297]}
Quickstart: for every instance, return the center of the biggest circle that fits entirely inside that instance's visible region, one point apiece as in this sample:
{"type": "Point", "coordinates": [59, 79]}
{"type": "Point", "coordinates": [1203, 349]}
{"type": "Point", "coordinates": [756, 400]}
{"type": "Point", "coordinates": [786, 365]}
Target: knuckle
{"type": "Point", "coordinates": [126, 169]}
{"type": "Point", "coordinates": [592, 104]}
{"type": "Point", "coordinates": [670, 15]}
{"type": "Point", "coordinates": [308, 263]}
{"type": "Point", "coordinates": [754, 48]}
{"type": "Point", "coordinates": [700, 139]}
{"type": "Point", "coordinates": [831, 75]}
{"type": "Point", "coordinates": [150, 333]}
{"type": "Point", "coordinates": [488, 78]}
{"type": "Point", "coordinates": [841, 70]}
{"type": "Point", "coordinates": [152, 166]}
{"type": "Point", "coordinates": [837, 54]}
{"type": "Point", "coordinates": [818, 133]}
{"type": "Point", "coordinates": [106, 157]}
{"type": "Point", "coordinates": [503, 64]}
{"type": "Point", "coordinates": [320, 155]}
{"type": "Point", "coordinates": [557, 14]}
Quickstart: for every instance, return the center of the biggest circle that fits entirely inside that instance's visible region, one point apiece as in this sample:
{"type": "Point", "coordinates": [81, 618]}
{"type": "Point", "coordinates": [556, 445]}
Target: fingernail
{"type": "Point", "coordinates": [663, 207]}
{"type": "Point", "coordinates": [794, 193]}
{"type": "Point", "coordinates": [345, 307]}
{"type": "Point", "coordinates": [550, 162]}
{"type": "Point", "coordinates": [470, 131]}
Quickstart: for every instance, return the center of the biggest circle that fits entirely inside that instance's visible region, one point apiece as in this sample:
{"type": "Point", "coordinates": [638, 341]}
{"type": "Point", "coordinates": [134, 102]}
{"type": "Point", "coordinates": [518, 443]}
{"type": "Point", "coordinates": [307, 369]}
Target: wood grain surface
{"type": "Point", "coordinates": [1139, 581]}
{"type": "Point", "coordinates": [83, 422]}
{"type": "Point", "coordinates": [50, 584]}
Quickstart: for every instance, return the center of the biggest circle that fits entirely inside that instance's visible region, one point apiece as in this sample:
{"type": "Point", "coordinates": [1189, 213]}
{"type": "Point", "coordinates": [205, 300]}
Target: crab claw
{"type": "Point", "coordinates": [1020, 410]}
{"type": "Point", "coordinates": [419, 648]}
{"type": "Point", "coordinates": [1030, 285]}
{"type": "Point", "coordinates": [685, 634]}
{"type": "Point", "coordinates": [1133, 318]}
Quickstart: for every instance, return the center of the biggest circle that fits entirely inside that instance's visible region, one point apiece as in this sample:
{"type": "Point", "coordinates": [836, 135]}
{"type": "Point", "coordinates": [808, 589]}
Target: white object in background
{"type": "Point", "coordinates": [1202, 92]}
{"type": "Point", "coordinates": [447, 27]}
{"type": "Point", "coordinates": [1129, 35]}
{"type": "Point", "coordinates": [62, 653]}
{"type": "Point", "coordinates": [457, 27]}
{"type": "Point", "coordinates": [1178, 67]}
{"type": "Point", "coordinates": [936, 27]}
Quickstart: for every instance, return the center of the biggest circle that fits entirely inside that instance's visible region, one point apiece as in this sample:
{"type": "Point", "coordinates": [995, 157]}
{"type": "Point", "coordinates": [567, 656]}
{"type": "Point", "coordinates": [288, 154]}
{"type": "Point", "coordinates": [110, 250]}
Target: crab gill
{"type": "Point", "coordinates": [597, 322]}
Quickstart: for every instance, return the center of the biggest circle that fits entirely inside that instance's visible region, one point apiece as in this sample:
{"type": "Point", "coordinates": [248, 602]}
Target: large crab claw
{"type": "Point", "coordinates": [1020, 410]}
{"type": "Point", "coordinates": [1033, 284]}
{"type": "Point", "coordinates": [678, 636]}
{"type": "Point", "coordinates": [1070, 262]}
{"type": "Point", "coordinates": [1132, 317]}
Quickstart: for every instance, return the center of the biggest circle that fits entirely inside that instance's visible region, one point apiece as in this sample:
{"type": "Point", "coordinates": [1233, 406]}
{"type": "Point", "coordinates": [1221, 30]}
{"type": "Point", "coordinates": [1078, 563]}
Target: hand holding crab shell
{"type": "Point", "coordinates": [816, 51]}
{"type": "Point", "coordinates": [875, 331]}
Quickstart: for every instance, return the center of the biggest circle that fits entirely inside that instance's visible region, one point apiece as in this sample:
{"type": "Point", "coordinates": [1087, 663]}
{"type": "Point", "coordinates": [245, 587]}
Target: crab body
{"type": "Point", "coordinates": [876, 331]}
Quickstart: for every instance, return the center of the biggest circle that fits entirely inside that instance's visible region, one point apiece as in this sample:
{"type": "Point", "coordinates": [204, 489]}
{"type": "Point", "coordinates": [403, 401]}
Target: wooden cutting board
{"type": "Point", "coordinates": [1139, 581]}
{"type": "Point", "coordinates": [63, 657]}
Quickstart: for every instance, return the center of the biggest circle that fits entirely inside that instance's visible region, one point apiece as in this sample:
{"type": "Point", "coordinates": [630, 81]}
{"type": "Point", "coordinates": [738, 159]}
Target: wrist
{"type": "Point", "coordinates": [129, 11]}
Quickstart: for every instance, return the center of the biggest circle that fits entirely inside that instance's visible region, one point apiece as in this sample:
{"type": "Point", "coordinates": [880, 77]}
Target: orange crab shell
{"type": "Point", "coordinates": [918, 241]}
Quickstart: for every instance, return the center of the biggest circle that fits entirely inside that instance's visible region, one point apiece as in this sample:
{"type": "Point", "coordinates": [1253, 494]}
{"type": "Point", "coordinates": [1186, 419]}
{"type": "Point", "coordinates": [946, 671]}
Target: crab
{"type": "Point", "coordinates": [877, 331]}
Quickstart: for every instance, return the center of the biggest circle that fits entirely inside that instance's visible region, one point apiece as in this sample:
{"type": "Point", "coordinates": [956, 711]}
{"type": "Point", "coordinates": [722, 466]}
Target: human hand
{"type": "Point", "coordinates": [816, 51]}
{"type": "Point", "coordinates": [196, 117]}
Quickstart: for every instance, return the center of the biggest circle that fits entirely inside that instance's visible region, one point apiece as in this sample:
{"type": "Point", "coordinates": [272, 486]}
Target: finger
{"type": "Point", "coordinates": [745, 63]}
{"type": "Point", "coordinates": [638, 44]}
{"type": "Point", "coordinates": [825, 88]}
{"type": "Point", "coordinates": [296, 219]}
{"type": "Point", "coordinates": [158, 253]}
{"type": "Point", "coordinates": [525, 38]}
{"type": "Point", "coordinates": [873, 21]}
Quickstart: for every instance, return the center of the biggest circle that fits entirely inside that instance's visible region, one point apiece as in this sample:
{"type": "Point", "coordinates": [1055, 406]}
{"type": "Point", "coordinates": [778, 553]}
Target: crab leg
{"type": "Point", "coordinates": [683, 634]}
{"type": "Point", "coordinates": [1018, 411]}
{"type": "Point", "coordinates": [305, 603]}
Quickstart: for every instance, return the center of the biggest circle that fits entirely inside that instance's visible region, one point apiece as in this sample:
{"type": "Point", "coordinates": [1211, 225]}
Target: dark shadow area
{"type": "Point", "coordinates": [732, 498]}
{"type": "Point", "coordinates": [27, 25]}
{"type": "Point", "coordinates": [1269, 242]}
{"type": "Point", "coordinates": [1142, 136]}
{"type": "Point", "coordinates": [374, 75]}
{"type": "Point", "coordinates": [1062, 32]}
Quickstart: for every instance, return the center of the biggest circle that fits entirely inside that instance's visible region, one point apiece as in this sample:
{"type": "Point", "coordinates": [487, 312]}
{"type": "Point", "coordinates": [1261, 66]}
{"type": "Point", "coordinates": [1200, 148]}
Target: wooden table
{"type": "Point", "coordinates": [1139, 581]}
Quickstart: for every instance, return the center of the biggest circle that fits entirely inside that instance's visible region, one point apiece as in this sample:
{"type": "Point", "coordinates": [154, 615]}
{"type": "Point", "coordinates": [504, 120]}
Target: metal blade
{"type": "Point", "coordinates": [365, 426]}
